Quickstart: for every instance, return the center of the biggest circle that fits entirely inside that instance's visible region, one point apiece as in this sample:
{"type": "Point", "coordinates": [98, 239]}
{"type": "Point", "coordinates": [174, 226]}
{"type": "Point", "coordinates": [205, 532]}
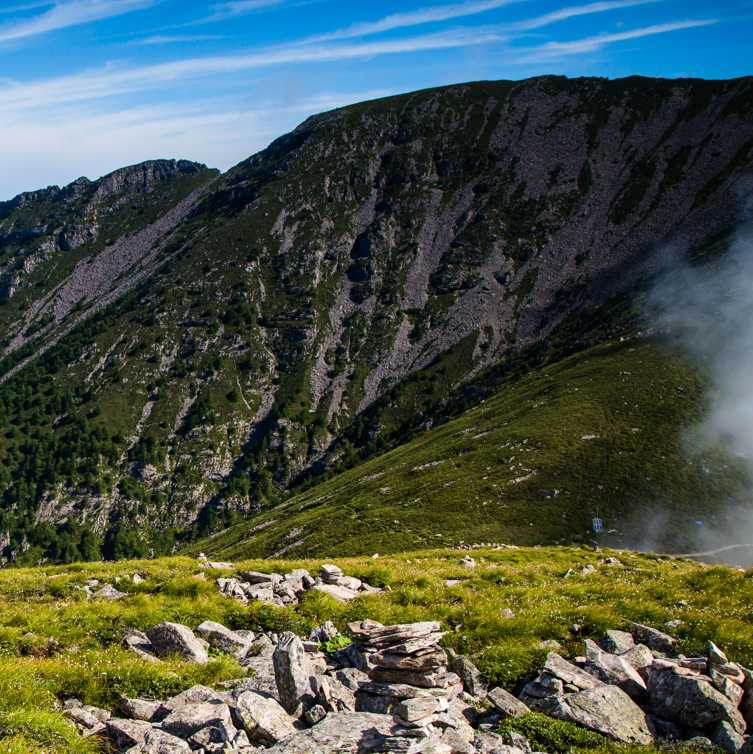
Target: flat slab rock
{"type": "Point", "coordinates": [340, 733]}
{"type": "Point", "coordinates": [607, 710]}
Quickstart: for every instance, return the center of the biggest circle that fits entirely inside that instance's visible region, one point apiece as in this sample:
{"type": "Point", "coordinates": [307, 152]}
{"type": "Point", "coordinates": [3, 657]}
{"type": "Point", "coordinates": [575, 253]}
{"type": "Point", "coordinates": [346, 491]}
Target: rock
{"type": "Point", "coordinates": [587, 570]}
{"type": "Point", "coordinates": [506, 613]}
{"type": "Point", "coordinates": [470, 675]}
{"type": "Point", "coordinates": [126, 733]}
{"type": "Point", "coordinates": [176, 639]}
{"type": "Point", "coordinates": [195, 695]}
{"type": "Point", "coordinates": [691, 701]}
{"type": "Point", "coordinates": [746, 709]}
{"type": "Point", "coordinates": [349, 582]}
{"type": "Point", "coordinates": [730, 669]}
{"type": "Point", "coordinates": [406, 691]}
{"type": "Point", "coordinates": [292, 673]}
{"type": "Point", "coordinates": [617, 642]}
{"type": "Point", "coordinates": [341, 733]}
{"type": "Point", "coordinates": [351, 677]}
{"type": "Point", "coordinates": [158, 742]}
{"type": "Point", "coordinates": [716, 655]}
{"type": "Point", "coordinates": [468, 562]}
{"type": "Point", "coordinates": [254, 577]}
{"type": "Point", "coordinates": [614, 670]}
{"type": "Point", "coordinates": [223, 638]}
{"type": "Point", "coordinates": [639, 657]}
{"type": "Point", "coordinates": [185, 721]}
{"type": "Point", "coordinates": [568, 673]}
{"type": "Point", "coordinates": [377, 704]}
{"type": "Point", "coordinates": [412, 710]}
{"type": "Point", "coordinates": [219, 566]}
{"type": "Point", "coordinates": [137, 579]}
{"type": "Point", "coordinates": [697, 742]}
{"type": "Point", "coordinates": [727, 738]}
{"type": "Point", "coordinates": [330, 573]}
{"type": "Point", "coordinates": [108, 592]}
{"type": "Point", "coordinates": [519, 742]}
{"type": "Point", "coordinates": [423, 680]}
{"type": "Point", "coordinates": [369, 633]}
{"type": "Point", "coordinates": [418, 662]}
{"type": "Point", "coordinates": [607, 710]}
{"type": "Point", "coordinates": [456, 743]}
{"type": "Point", "coordinates": [263, 719]}
{"type": "Point", "coordinates": [731, 690]}
{"type": "Point", "coordinates": [651, 637]}
{"type": "Point", "coordinates": [82, 716]}
{"type": "Point", "coordinates": [315, 715]}
{"type": "Point", "coordinates": [353, 656]}
{"type": "Point", "coordinates": [506, 703]}
{"type": "Point", "coordinates": [340, 593]}
{"type": "Point", "coordinates": [492, 743]}
{"type": "Point", "coordinates": [139, 709]}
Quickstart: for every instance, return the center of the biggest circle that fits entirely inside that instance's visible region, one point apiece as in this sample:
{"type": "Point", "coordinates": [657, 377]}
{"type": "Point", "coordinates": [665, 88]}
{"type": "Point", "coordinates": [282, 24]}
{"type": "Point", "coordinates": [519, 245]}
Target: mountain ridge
{"type": "Point", "coordinates": [248, 338]}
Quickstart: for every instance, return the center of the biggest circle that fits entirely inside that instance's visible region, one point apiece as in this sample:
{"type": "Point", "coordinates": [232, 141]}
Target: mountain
{"type": "Point", "coordinates": [182, 348]}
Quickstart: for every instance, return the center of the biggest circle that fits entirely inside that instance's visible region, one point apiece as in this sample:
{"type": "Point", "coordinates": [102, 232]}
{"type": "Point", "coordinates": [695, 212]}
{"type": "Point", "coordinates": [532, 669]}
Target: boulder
{"type": "Point", "coordinates": [369, 633]}
{"type": "Point", "coordinates": [613, 670]}
{"type": "Point", "coordinates": [651, 637]}
{"type": "Point", "coordinates": [730, 689]}
{"type": "Point", "coordinates": [506, 703]}
{"type": "Point", "coordinates": [195, 695]}
{"type": "Point", "coordinates": [292, 673]}
{"type": "Point", "coordinates": [343, 733]}
{"type": "Point", "coordinates": [139, 709]}
{"type": "Point", "coordinates": [639, 657]}
{"type": "Point", "coordinates": [176, 639]}
{"type": "Point", "coordinates": [191, 718]}
{"type": "Point", "coordinates": [138, 643]}
{"type": "Point", "coordinates": [428, 660]}
{"type": "Point", "coordinates": [223, 638]}
{"type": "Point", "coordinates": [124, 734]}
{"type": "Point", "coordinates": [691, 701]}
{"type": "Point", "coordinates": [727, 738]}
{"type": "Point", "coordinates": [716, 655]}
{"type": "Point", "coordinates": [607, 710]}
{"type": "Point", "coordinates": [569, 673]}
{"type": "Point", "coordinates": [263, 719]}
{"type": "Point", "coordinates": [340, 593]}
{"type": "Point", "coordinates": [108, 592]}
{"type": "Point", "coordinates": [470, 675]}
{"type": "Point", "coordinates": [617, 642]}
{"type": "Point", "coordinates": [158, 742]}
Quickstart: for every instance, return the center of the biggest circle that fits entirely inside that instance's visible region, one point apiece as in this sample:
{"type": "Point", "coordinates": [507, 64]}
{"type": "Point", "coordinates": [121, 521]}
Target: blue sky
{"type": "Point", "coordinates": [87, 86]}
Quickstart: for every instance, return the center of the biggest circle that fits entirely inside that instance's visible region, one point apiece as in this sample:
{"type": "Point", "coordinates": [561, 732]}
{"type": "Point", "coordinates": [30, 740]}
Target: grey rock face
{"type": "Point", "coordinates": [139, 709]}
{"type": "Point", "coordinates": [614, 670]}
{"type": "Point", "coordinates": [607, 710]}
{"type": "Point", "coordinates": [617, 642]}
{"type": "Point", "coordinates": [185, 721]}
{"type": "Point", "coordinates": [473, 682]}
{"type": "Point", "coordinates": [292, 673]}
{"type": "Point", "coordinates": [727, 738]}
{"type": "Point", "coordinates": [223, 638]}
{"type": "Point", "coordinates": [506, 703]}
{"type": "Point", "coordinates": [264, 720]}
{"type": "Point", "coordinates": [651, 637]}
{"type": "Point", "coordinates": [569, 673]}
{"type": "Point", "coordinates": [176, 639]}
{"type": "Point", "coordinates": [691, 701]}
{"type": "Point", "coordinates": [343, 733]}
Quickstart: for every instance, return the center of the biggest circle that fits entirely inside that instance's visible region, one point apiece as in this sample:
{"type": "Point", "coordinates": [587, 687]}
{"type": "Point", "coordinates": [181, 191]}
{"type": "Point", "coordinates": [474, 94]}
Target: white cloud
{"type": "Point", "coordinates": [65, 14]}
{"type": "Point", "coordinates": [558, 50]}
{"type": "Point", "coordinates": [579, 10]}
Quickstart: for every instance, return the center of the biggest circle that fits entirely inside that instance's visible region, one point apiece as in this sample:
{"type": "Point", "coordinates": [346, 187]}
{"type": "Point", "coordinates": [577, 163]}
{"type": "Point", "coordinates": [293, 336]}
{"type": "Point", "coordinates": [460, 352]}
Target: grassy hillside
{"type": "Point", "coordinates": [603, 429]}
{"type": "Point", "coordinates": [56, 643]}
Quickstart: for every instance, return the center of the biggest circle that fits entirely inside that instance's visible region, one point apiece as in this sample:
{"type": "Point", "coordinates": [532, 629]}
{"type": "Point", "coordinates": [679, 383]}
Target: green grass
{"type": "Point", "coordinates": [602, 429]}
{"type": "Point", "coordinates": [85, 659]}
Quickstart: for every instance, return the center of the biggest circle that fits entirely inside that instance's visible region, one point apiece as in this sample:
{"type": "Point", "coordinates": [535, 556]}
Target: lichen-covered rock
{"type": "Point", "coordinates": [506, 703]}
{"type": "Point", "coordinates": [617, 642]}
{"type": "Point", "coordinates": [264, 720]}
{"type": "Point", "coordinates": [614, 670]}
{"type": "Point", "coordinates": [176, 639]}
{"type": "Point", "coordinates": [569, 673]}
{"type": "Point", "coordinates": [651, 637]}
{"type": "Point", "coordinates": [727, 738]}
{"type": "Point", "coordinates": [223, 638]}
{"type": "Point", "coordinates": [473, 682]}
{"type": "Point", "coordinates": [691, 701]}
{"type": "Point", "coordinates": [607, 710]}
{"type": "Point", "coordinates": [342, 733]}
{"type": "Point", "coordinates": [292, 673]}
{"type": "Point", "coordinates": [191, 718]}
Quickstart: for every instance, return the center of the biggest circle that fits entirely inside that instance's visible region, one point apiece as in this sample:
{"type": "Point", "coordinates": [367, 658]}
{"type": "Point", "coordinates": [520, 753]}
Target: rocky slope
{"type": "Point", "coordinates": [211, 344]}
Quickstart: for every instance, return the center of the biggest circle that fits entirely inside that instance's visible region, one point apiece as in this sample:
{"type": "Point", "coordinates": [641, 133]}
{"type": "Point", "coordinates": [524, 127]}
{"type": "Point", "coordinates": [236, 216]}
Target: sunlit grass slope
{"type": "Point", "coordinates": [603, 430]}
{"type": "Point", "coordinates": [56, 643]}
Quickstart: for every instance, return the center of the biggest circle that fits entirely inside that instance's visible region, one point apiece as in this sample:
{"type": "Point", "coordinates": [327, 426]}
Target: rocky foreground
{"type": "Point", "coordinates": [396, 689]}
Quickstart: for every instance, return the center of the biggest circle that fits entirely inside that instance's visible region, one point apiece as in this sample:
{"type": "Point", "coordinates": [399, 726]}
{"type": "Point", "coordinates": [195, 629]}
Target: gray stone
{"type": "Point", "coordinates": [569, 673]}
{"type": "Point", "coordinates": [691, 701]}
{"type": "Point", "coordinates": [412, 710]}
{"type": "Point", "coordinates": [697, 742]}
{"type": "Point", "coordinates": [430, 680]}
{"type": "Point", "coordinates": [83, 717]}
{"type": "Point", "coordinates": [406, 691]}
{"type": "Point", "coordinates": [519, 742]}
{"type": "Point", "coordinates": [315, 715]}
{"type": "Point", "coordinates": [340, 593]}
{"type": "Point", "coordinates": [639, 657]}
{"type": "Point", "coordinates": [176, 639]}
{"type": "Point", "coordinates": [292, 673]}
{"type": "Point", "coordinates": [195, 695]}
{"type": "Point", "coordinates": [341, 733]}
{"type": "Point", "coordinates": [108, 592]}
{"type": "Point", "coordinates": [139, 709]}
{"type": "Point", "coordinates": [651, 637]}
{"type": "Point", "coordinates": [428, 660]}
{"type": "Point", "coordinates": [607, 710]}
{"type": "Point", "coordinates": [506, 703]}
{"type": "Point", "coordinates": [617, 642]}
{"type": "Point", "coordinates": [457, 743]}
{"type": "Point", "coordinates": [351, 677]}
{"type": "Point", "coordinates": [263, 719]}
{"type": "Point", "coordinates": [374, 635]}
{"type": "Point", "coordinates": [223, 639]}
{"type": "Point", "coordinates": [138, 643]}
{"type": "Point", "coordinates": [493, 743]}
{"type": "Point", "coordinates": [353, 656]}
{"type": "Point", "coordinates": [158, 742]}
{"type": "Point", "coordinates": [377, 704]}
{"type": "Point", "coordinates": [727, 738]}
{"type": "Point", "coordinates": [746, 709]}
{"type": "Point", "coordinates": [716, 655]}
{"type": "Point", "coordinates": [730, 689]}
{"type": "Point", "coordinates": [613, 670]}
{"type": "Point", "coordinates": [470, 675]}
{"type": "Point", "coordinates": [124, 734]}
{"type": "Point", "coordinates": [185, 721]}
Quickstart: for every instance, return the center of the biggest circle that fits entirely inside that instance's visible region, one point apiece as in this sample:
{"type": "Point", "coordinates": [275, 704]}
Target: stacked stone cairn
{"type": "Point", "coordinates": [283, 590]}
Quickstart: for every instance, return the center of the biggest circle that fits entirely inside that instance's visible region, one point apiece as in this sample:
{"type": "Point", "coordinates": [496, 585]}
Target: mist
{"type": "Point", "coordinates": [707, 311]}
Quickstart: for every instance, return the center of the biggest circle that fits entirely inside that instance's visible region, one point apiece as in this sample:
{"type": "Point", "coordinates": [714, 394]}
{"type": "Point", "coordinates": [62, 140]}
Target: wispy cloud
{"type": "Point", "coordinates": [579, 10]}
{"type": "Point", "coordinates": [557, 50]}
{"type": "Point", "coordinates": [65, 14]}
{"type": "Point", "coordinates": [160, 39]}
{"type": "Point", "coordinates": [418, 17]}
{"type": "Point", "coordinates": [223, 11]}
